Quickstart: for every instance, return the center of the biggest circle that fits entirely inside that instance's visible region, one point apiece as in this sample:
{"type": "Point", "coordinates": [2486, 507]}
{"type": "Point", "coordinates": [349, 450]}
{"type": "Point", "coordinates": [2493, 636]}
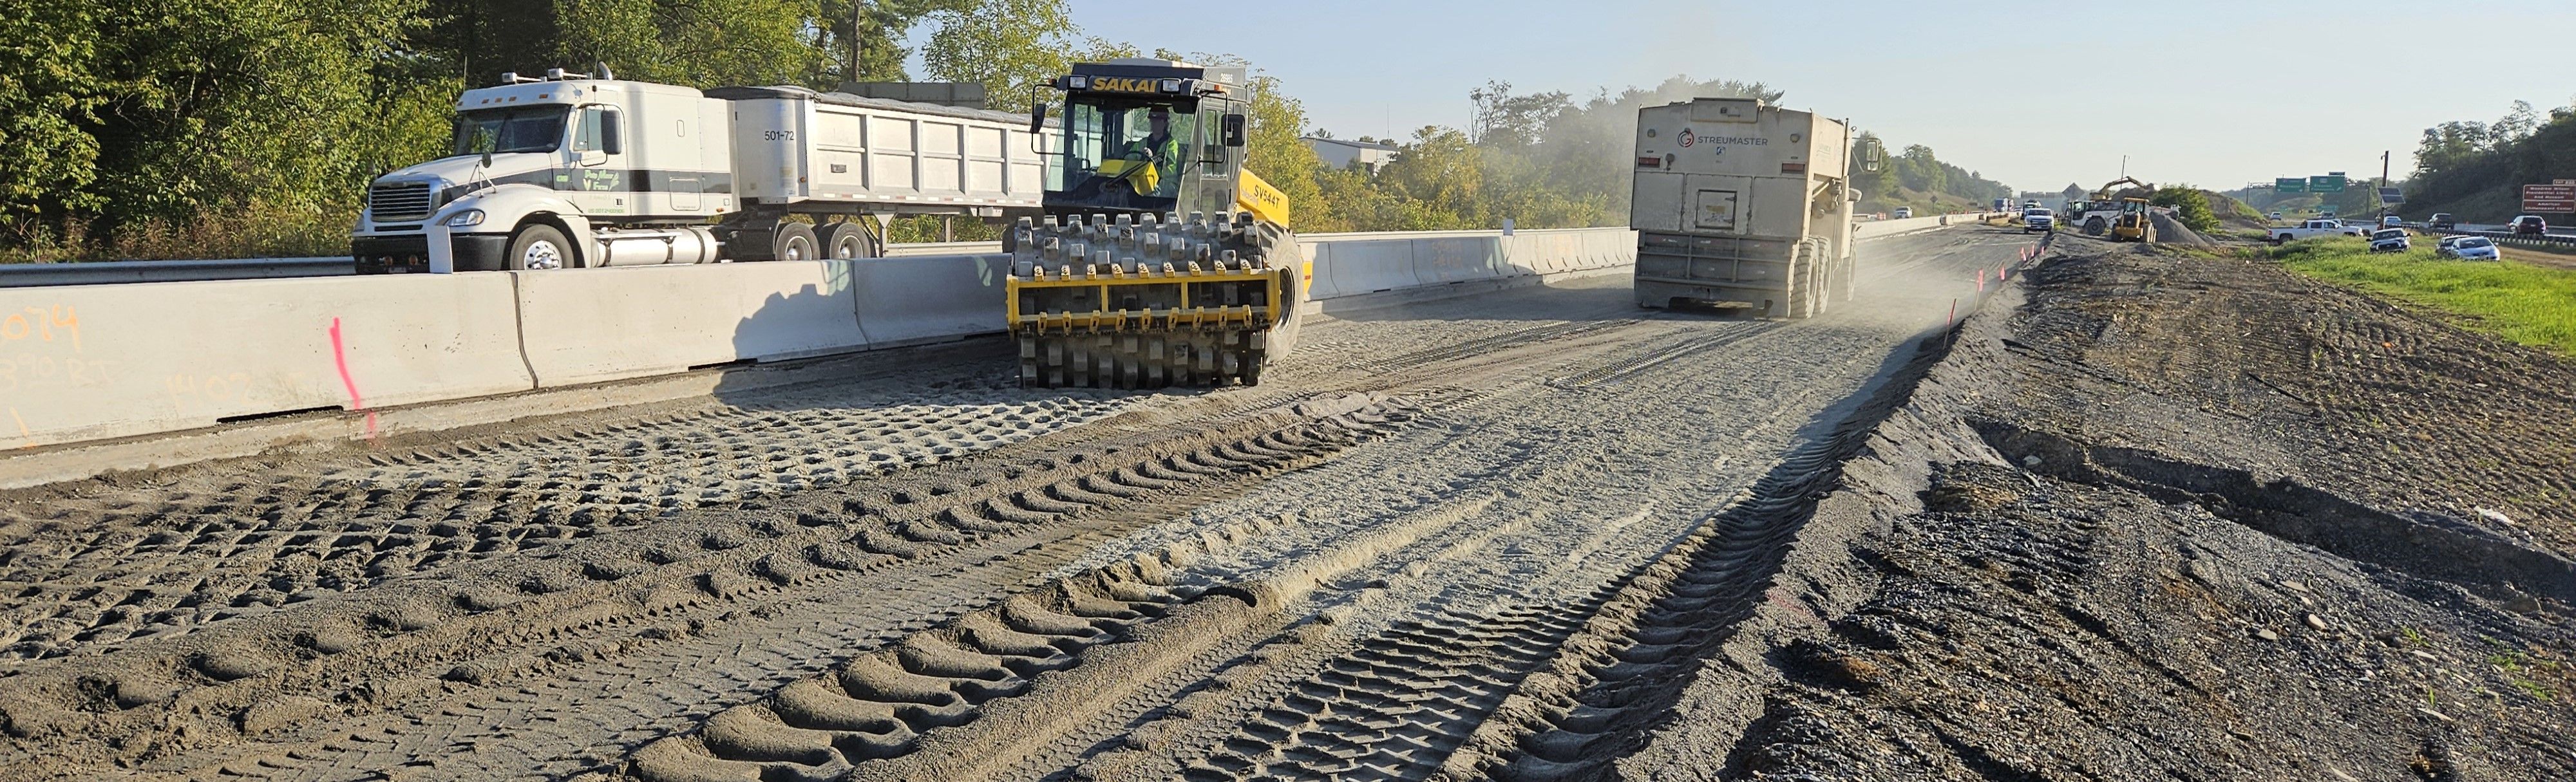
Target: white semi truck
{"type": "Point", "coordinates": [571, 171]}
{"type": "Point", "coordinates": [1742, 204]}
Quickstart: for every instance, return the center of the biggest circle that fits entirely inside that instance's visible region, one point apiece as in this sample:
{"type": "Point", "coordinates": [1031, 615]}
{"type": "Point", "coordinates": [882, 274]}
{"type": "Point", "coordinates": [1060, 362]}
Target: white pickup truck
{"type": "Point", "coordinates": [2317, 227]}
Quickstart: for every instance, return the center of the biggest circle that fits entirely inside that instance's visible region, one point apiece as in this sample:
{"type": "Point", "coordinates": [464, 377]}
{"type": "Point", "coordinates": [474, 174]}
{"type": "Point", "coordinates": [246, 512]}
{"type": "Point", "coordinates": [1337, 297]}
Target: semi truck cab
{"type": "Point", "coordinates": [537, 164]}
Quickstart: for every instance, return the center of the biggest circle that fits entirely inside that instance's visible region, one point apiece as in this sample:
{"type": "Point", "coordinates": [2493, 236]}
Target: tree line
{"type": "Point", "coordinates": [2476, 170]}
{"type": "Point", "coordinates": [151, 128]}
{"type": "Point", "coordinates": [212, 128]}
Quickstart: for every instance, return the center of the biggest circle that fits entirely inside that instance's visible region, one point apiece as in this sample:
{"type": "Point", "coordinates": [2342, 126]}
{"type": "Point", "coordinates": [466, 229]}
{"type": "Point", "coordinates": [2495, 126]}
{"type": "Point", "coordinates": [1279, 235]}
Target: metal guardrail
{"type": "Point", "coordinates": [2506, 238]}
{"type": "Point", "coordinates": [28, 275]}
{"type": "Point", "coordinates": [36, 275]}
{"type": "Point", "coordinates": [942, 248]}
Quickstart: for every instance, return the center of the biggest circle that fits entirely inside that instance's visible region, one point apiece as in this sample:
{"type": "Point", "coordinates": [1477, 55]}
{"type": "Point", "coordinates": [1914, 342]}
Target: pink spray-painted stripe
{"type": "Point", "coordinates": [340, 357]}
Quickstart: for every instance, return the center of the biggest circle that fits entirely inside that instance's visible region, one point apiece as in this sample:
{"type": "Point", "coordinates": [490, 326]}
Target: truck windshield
{"type": "Point", "coordinates": [1136, 147]}
{"type": "Point", "coordinates": [529, 129]}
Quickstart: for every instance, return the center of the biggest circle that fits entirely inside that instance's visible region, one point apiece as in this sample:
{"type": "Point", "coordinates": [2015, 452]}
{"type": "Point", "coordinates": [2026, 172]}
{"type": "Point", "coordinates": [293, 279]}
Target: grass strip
{"type": "Point", "coordinates": [2525, 303]}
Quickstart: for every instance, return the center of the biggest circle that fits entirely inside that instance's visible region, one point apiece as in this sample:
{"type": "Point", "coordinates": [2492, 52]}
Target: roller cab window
{"type": "Point", "coordinates": [1128, 154]}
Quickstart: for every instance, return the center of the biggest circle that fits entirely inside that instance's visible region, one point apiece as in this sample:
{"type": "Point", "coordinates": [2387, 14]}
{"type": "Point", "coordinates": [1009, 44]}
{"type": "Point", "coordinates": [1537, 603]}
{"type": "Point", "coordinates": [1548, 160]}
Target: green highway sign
{"type": "Point", "coordinates": [2290, 185]}
{"type": "Point", "coordinates": [2325, 184]}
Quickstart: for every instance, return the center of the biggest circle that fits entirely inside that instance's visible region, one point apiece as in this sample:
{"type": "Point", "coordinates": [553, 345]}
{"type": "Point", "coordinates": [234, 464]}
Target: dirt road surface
{"type": "Point", "coordinates": [1357, 570]}
{"type": "Point", "coordinates": [2167, 517]}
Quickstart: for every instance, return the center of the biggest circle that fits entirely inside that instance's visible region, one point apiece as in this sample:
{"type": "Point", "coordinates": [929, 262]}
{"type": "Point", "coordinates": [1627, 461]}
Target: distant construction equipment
{"type": "Point", "coordinates": [2123, 219]}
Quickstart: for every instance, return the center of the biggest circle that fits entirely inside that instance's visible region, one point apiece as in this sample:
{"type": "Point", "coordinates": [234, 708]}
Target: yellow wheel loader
{"type": "Point", "coordinates": [1161, 261]}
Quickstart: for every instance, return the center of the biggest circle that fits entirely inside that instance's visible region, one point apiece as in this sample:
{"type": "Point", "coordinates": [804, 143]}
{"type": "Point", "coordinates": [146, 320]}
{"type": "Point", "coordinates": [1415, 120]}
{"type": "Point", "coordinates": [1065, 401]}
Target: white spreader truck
{"type": "Point", "coordinates": [571, 170]}
{"type": "Point", "coordinates": [1740, 204]}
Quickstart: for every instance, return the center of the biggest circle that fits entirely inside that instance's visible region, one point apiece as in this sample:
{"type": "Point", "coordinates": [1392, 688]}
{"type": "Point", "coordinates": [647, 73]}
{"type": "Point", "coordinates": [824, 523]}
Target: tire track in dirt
{"type": "Point", "coordinates": [1619, 678]}
{"type": "Point", "coordinates": [1137, 614]}
{"type": "Point", "coordinates": [1508, 340]}
{"type": "Point", "coordinates": [103, 569]}
{"type": "Point", "coordinates": [1612, 371]}
{"type": "Point", "coordinates": [1411, 690]}
{"type": "Point", "coordinates": [680, 582]}
{"type": "Point", "coordinates": [382, 704]}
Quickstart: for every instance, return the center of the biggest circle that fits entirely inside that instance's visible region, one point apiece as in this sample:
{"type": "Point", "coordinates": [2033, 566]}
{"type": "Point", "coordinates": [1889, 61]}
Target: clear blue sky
{"type": "Point", "coordinates": [2202, 91]}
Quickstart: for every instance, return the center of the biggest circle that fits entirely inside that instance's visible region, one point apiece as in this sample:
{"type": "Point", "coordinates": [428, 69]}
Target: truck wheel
{"type": "Point", "coordinates": [794, 242]}
{"type": "Point", "coordinates": [847, 241]}
{"type": "Point", "coordinates": [539, 248]}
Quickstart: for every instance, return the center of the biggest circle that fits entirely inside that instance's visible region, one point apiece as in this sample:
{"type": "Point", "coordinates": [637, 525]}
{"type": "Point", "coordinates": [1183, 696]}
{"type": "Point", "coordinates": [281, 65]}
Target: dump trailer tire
{"type": "Point", "coordinates": [848, 241]}
{"type": "Point", "coordinates": [794, 242]}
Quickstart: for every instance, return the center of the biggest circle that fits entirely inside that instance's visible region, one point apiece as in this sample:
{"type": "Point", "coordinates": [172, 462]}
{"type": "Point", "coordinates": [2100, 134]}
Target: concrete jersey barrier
{"type": "Point", "coordinates": [610, 324]}
{"type": "Point", "coordinates": [88, 362]}
{"type": "Point", "coordinates": [904, 301]}
{"type": "Point", "coordinates": [1364, 265]}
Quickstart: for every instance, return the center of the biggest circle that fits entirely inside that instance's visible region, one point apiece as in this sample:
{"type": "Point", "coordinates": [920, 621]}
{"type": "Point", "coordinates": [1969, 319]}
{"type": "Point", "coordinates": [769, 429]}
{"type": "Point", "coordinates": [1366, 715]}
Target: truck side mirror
{"type": "Point", "coordinates": [1232, 130]}
{"type": "Point", "coordinates": [610, 141]}
{"type": "Point", "coordinates": [1037, 117]}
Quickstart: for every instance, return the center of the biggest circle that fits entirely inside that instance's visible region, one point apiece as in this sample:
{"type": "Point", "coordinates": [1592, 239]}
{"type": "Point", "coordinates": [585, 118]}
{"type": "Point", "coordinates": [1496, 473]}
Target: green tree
{"type": "Point", "coordinates": [699, 43]}
{"type": "Point", "coordinates": [1439, 181]}
{"type": "Point", "coordinates": [1006, 45]}
{"type": "Point", "coordinates": [2190, 205]}
{"type": "Point", "coordinates": [225, 105]}
{"type": "Point", "coordinates": [49, 98]}
{"type": "Point", "coordinates": [882, 28]}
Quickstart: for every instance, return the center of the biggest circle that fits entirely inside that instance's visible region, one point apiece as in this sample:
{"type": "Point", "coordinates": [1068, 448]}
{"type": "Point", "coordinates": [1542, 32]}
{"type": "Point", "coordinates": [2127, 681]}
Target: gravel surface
{"type": "Point", "coordinates": [1348, 572]}
{"type": "Point", "coordinates": [2144, 523]}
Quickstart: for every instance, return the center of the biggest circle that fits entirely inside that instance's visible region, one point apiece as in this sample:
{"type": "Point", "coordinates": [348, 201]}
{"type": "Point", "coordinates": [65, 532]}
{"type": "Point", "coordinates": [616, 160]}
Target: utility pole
{"type": "Point", "coordinates": [2383, 181]}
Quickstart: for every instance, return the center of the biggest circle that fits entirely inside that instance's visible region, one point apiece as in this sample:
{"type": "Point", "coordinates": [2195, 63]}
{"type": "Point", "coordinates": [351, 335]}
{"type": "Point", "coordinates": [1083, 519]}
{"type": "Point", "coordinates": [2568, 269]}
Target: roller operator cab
{"type": "Point", "coordinates": [1160, 259]}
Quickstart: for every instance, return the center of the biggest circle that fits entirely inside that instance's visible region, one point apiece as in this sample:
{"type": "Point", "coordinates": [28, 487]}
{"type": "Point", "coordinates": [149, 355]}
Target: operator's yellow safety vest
{"type": "Point", "coordinates": [1143, 175]}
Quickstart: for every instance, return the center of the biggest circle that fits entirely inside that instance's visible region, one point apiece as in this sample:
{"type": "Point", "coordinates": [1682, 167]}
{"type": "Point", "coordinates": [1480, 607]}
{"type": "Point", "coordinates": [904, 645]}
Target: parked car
{"type": "Point", "coordinates": [1903, 212]}
{"type": "Point", "coordinates": [2276, 217]}
{"type": "Point", "coordinates": [2389, 240]}
{"type": "Point", "coordinates": [2038, 219]}
{"type": "Point", "coordinates": [2390, 221]}
{"type": "Point", "coordinates": [2442, 221]}
{"type": "Point", "coordinates": [2467, 248]}
{"type": "Point", "coordinates": [2529, 224]}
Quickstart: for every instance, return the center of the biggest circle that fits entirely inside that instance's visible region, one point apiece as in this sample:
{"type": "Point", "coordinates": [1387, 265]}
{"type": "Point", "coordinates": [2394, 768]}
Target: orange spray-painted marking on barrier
{"type": "Point", "coordinates": [23, 431]}
{"type": "Point", "coordinates": [340, 357]}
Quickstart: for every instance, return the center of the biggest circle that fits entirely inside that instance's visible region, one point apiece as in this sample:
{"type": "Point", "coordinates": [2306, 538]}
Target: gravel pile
{"type": "Point", "coordinates": [2172, 231]}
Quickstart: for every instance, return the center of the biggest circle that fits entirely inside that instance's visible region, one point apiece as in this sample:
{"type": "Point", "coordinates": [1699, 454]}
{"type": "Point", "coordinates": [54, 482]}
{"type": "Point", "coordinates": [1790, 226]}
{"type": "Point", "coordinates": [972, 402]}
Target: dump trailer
{"type": "Point", "coordinates": [572, 170]}
{"type": "Point", "coordinates": [1740, 204]}
{"type": "Point", "coordinates": [1160, 259]}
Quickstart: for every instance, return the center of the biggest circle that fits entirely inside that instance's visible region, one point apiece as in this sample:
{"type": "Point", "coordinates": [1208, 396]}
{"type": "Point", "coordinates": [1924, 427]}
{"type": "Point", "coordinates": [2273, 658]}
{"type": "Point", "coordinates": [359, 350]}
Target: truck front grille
{"type": "Point", "coordinates": [398, 201]}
